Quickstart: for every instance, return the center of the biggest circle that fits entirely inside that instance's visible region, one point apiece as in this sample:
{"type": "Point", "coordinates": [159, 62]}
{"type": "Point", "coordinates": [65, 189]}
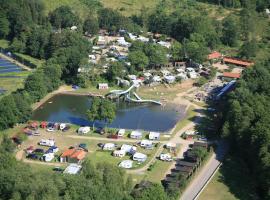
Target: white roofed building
{"type": "Point", "coordinates": [154, 136]}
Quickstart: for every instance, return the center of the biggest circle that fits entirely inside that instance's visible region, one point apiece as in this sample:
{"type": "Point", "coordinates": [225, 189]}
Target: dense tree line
{"type": "Point", "coordinates": [247, 124]}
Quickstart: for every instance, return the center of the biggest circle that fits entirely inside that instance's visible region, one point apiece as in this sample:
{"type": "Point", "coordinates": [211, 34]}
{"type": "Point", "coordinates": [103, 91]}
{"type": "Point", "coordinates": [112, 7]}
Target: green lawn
{"type": "Point", "coordinates": [11, 84]}
{"type": "Point", "coordinates": [31, 59]}
{"type": "Point", "coordinates": [158, 171]}
{"type": "Point", "coordinates": [231, 182]}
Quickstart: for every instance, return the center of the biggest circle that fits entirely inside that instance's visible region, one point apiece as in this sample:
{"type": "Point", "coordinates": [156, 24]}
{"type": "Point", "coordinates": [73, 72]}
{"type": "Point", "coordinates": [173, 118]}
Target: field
{"type": "Point", "coordinates": [11, 84]}
{"type": "Point", "coordinates": [230, 183]}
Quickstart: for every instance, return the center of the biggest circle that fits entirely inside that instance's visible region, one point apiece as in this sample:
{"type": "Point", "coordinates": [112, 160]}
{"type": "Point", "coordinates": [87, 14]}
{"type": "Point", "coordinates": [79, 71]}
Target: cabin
{"type": "Point", "coordinates": [238, 62]}
{"type": "Point", "coordinates": [73, 156]}
{"type": "Point", "coordinates": [140, 157]}
{"type": "Point", "coordinates": [136, 134]}
{"type": "Point", "coordinates": [154, 136]}
{"type": "Point", "coordinates": [230, 75]}
{"type": "Point", "coordinates": [214, 55]}
{"type": "Point", "coordinates": [186, 163]}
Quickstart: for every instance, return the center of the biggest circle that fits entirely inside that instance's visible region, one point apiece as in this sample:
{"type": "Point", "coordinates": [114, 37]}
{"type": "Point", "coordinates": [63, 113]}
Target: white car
{"type": "Point", "coordinates": [50, 129]}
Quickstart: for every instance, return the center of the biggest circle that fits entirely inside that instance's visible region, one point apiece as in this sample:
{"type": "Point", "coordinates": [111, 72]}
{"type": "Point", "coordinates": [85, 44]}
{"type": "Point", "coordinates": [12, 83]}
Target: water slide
{"type": "Point", "coordinates": [126, 93]}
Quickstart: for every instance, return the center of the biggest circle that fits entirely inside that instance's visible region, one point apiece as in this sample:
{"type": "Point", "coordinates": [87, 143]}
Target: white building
{"type": "Point", "coordinates": [156, 79]}
{"type": "Point", "coordinates": [140, 157]}
{"type": "Point", "coordinates": [121, 132]}
{"type": "Point", "coordinates": [73, 28]}
{"type": "Point", "coordinates": [84, 130]}
{"type": "Point", "coordinates": [129, 149]}
{"type": "Point", "coordinates": [190, 69]}
{"type": "Point", "coordinates": [127, 164]}
{"type": "Point", "coordinates": [109, 147]}
{"type": "Point", "coordinates": [147, 75]}
{"type": "Point", "coordinates": [143, 39]}
{"type": "Point", "coordinates": [164, 44]}
{"type": "Point", "coordinates": [146, 144]}
{"type": "Point", "coordinates": [154, 136]}
{"type": "Point", "coordinates": [73, 169]}
{"type": "Point", "coordinates": [103, 86]}
{"type": "Point", "coordinates": [136, 134]}
{"type": "Point", "coordinates": [132, 37]}
{"type": "Point", "coordinates": [165, 157]}
{"type": "Point", "coordinates": [119, 153]}
{"type": "Point", "coordinates": [193, 75]}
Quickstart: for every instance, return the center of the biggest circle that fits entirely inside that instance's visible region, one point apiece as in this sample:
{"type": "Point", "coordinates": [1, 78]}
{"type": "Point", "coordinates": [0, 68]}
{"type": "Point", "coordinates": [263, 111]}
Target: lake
{"type": "Point", "coordinates": [72, 109]}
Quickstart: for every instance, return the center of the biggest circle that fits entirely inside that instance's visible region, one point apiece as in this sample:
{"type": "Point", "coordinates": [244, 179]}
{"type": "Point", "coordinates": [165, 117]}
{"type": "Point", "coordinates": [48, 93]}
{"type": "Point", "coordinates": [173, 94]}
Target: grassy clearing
{"type": "Point", "coordinates": [11, 84]}
{"type": "Point", "coordinates": [20, 74]}
{"type": "Point", "coordinates": [158, 171]}
{"type": "Point", "coordinates": [191, 113]}
{"type": "Point", "coordinates": [231, 182]}
{"type": "Point", "coordinates": [31, 59]}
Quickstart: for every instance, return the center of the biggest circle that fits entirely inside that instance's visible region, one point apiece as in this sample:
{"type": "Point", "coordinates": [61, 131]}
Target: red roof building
{"type": "Point", "coordinates": [231, 75]}
{"type": "Point", "coordinates": [73, 155]}
{"type": "Point", "coordinates": [242, 63]}
{"type": "Point", "coordinates": [214, 55]}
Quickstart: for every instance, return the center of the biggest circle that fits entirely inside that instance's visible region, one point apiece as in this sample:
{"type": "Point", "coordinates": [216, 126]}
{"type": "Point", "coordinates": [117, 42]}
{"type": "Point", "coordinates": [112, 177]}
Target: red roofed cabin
{"type": "Point", "coordinates": [73, 156]}
{"type": "Point", "coordinates": [214, 55]}
{"type": "Point", "coordinates": [231, 75]}
{"type": "Point", "coordinates": [235, 61]}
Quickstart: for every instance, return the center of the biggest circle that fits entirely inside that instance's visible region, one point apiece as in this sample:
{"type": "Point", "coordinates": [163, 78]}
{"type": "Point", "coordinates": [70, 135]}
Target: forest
{"type": "Point", "coordinates": [30, 31]}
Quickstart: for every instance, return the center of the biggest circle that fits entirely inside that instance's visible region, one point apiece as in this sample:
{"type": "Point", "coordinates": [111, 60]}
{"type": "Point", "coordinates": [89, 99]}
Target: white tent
{"type": "Point", "coordinates": [127, 164]}
{"type": "Point", "coordinates": [49, 142]}
{"type": "Point", "coordinates": [73, 169]}
{"type": "Point", "coordinates": [165, 157]}
{"type": "Point", "coordinates": [108, 146]}
{"type": "Point", "coordinates": [139, 157]}
{"type": "Point", "coordinates": [129, 149]}
{"type": "Point", "coordinates": [48, 157]}
{"type": "Point", "coordinates": [169, 79]}
{"type": "Point", "coordinates": [119, 153]}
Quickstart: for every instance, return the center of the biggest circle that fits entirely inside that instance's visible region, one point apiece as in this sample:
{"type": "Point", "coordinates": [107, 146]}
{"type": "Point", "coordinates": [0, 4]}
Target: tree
{"type": "Point", "coordinates": [138, 59]}
{"type": "Point", "coordinates": [249, 49]}
{"type": "Point", "coordinates": [101, 110]}
{"type": "Point", "coordinates": [91, 25]}
{"type": "Point", "coordinates": [4, 25]}
{"type": "Point", "coordinates": [63, 17]}
{"type": "Point", "coordinates": [115, 70]}
{"type": "Point", "coordinates": [157, 54]}
{"type": "Point", "coordinates": [230, 31]}
{"type": "Point", "coordinates": [177, 51]}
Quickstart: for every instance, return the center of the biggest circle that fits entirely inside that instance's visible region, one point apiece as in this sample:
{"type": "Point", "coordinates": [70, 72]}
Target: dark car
{"type": "Point", "coordinates": [100, 130]}
{"type": "Point", "coordinates": [58, 169]}
{"type": "Point", "coordinates": [66, 128]}
{"type": "Point", "coordinates": [83, 146]}
{"type": "Point", "coordinates": [32, 156]}
{"type": "Point", "coordinates": [39, 151]}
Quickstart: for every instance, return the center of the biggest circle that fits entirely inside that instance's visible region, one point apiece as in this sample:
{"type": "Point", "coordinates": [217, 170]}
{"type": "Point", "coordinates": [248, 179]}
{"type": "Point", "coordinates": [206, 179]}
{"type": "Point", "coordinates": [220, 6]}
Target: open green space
{"type": "Point", "coordinates": [231, 182]}
{"type": "Point", "coordinates": [11, 84]}
{"type": "Point", "coordinates": [31, 59]}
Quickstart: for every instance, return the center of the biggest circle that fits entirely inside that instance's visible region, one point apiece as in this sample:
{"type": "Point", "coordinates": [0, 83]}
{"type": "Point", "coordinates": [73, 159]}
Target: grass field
{"type": "Point", "coordinates": [11, 84]}
{"type": "Point", "coordinates": [35, 61]}
{"type": "Point", "coordinates": [231, 182]}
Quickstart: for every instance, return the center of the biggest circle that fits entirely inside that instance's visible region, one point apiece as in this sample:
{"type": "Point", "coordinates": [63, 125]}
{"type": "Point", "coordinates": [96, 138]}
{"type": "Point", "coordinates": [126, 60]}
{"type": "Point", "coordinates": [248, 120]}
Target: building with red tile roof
{"type": "Point", "coordinates": [231, 75]}
{"type": "Point", "coordinates": [214, 55]}
{"type": "Point", "coordinates": [235, 61]}
{"type": "Point", "coordinates": [73, 155]}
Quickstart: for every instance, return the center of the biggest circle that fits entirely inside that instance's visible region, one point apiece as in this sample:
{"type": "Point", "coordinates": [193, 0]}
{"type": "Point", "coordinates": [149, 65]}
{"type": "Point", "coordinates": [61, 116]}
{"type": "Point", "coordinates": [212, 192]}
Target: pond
{"type": "Point", "coordinates": [72, 109]}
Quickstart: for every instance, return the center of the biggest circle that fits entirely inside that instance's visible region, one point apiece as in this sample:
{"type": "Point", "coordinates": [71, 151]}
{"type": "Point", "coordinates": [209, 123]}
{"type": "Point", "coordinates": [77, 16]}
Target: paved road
{"type": "Point", "coordinates": [205, 173]}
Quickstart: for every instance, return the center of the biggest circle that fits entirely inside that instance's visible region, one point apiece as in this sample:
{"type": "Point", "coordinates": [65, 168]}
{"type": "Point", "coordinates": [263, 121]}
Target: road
{"type": "Point", "coordinates": [205, 173]}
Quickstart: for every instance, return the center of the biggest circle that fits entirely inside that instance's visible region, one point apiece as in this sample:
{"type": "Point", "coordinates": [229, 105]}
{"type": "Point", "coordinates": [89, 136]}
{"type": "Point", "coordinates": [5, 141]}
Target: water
{"type": "Point", "coordinates": [71, 109]}
{"type": "Point", "coordinates": [6, 66]}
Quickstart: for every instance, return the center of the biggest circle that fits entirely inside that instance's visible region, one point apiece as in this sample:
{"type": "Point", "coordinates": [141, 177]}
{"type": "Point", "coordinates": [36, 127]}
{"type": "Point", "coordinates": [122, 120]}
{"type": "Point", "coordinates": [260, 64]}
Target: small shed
{"type": "Point", "coordinates": [127, 164]}
{"type": "Point", "coordinates": [103, 86]}
{"type": "Point", "coordinates": [140, 157]}
{"type": "Point", "coordinates": [136, 134]}
{"type": "Point", "coordinates": [154, 136]}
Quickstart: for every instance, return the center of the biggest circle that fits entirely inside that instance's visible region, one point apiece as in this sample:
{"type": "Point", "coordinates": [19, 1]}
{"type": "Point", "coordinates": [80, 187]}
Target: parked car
{"type": "Point", "coordinates": [32, 156]}
{"type": "Point", "coordinates": [83, 146]}
{"type": "Point", "coordinates": [100, 130]}
{"type": "Point", "coordinates": [66, 129]}
{"type": "Point", "coordinates": [50, 129]}
{"type": "Point", "coordinates": [36, 133]}
{"type": "Point", "coordinates": [38, 151]}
